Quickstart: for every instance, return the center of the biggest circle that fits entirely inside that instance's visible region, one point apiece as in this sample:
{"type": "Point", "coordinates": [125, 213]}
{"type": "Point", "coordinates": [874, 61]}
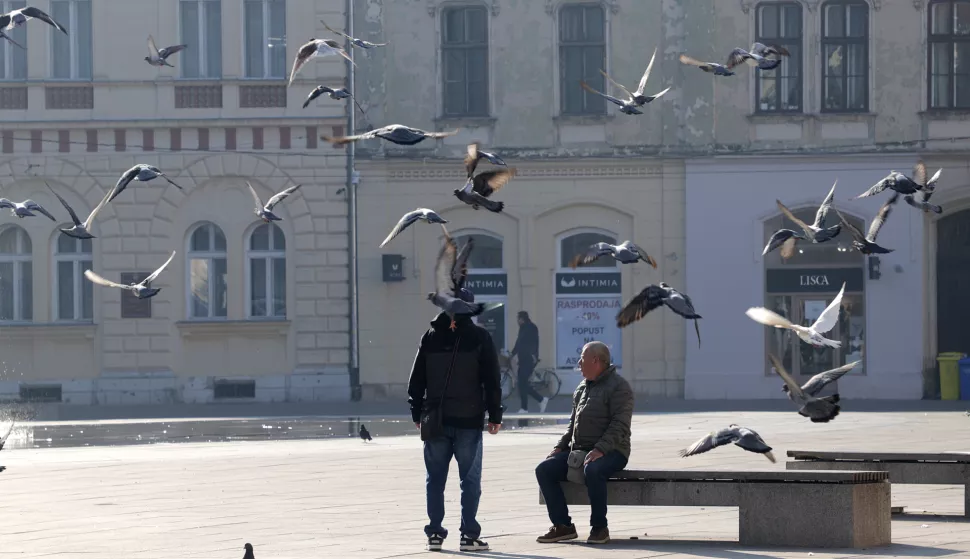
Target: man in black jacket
{"type": "Point", "coordinates": [473, 390]}
{"type": "Point", "coordinates": [527, 347]}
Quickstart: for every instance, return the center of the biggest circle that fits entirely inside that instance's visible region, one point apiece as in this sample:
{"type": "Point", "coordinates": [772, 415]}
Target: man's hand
{"type": "Point", "coordinates": [556, 451]}
{"type": "Point", "coordinates": [593, 456]}
{"type": "Point", "coordinates": [418, 425]}
{"type": "Point", "coordinates": [494, 428]}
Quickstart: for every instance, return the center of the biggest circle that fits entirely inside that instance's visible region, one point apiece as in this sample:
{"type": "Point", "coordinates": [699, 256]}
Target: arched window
{"type": "Point", "coordinates": [780, 90]}
{"type": "Point", "coordinates": [579, 243]}
{"type": "Point", "coordinates": [207, 272]}
{"type": "Point", "coordinates": [266, 254]}
{"type": "Point", "coordinates": [801, 287]}
{"type": "Point", "coordinates": [949, 38]}
{"type": "Point", "coordinates": [73, 292]}
{"type": "Point", "coordinates": [487, 253]}
{"type": "Point", "coordinates": [845, 56]}
{"type": "Point", "coordinates": [16, 275]}
{"type": "Point", "coordinates": [488, 280]}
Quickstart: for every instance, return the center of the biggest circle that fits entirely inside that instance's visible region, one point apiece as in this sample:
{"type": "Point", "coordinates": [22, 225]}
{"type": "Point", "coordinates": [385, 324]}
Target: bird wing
{"type": "Point", "coordinates": [808, 230]}
{"type": "Point", "coordinates": [880, 219]}
{"type": "Point", "coordinates": [874, 189]}
{"type": "Point", "coordinates": [334, 31]}
{"type": "Point", "coordinates": [919, 173]}
{"type": "Point", "coordinates": [617, 85]}
{"type": "Point", "coordinates": [259, 203]}
{"type": "Point", "coordinates": [402, 224]}
{"type": "Point", "coordinates": [460, 273]}
{"type": "Point", "coordinates": [643, 254]}
{"type": "Point", "coordinates": [490, 182]}
{"type": "Point", "coordinates": [444, 134]}
{"type": "Point", "coordinates": [796, 390]}
{"type": "Point", "coordinates": [341, 140]}
{"type": "Point", "coordinates": [123, 181]}
{"type": "Point", "coordinates": [97, 209]}
{"type": "Point", "coordinates": [9, 38]}
{"type": "Point", "coordinates": [155, 274]}
{"type": "Point", "coordinates": [3, 440]}
{"type": "Point", "coordinates": [749, 440]}
{"type": "Point", "coordinates": [31, 205]}
{"type": "Point", "coordinates": [826, 321]}
{"type": "Point", "coordinates": [816, 383]}
{"type": "Point", "coordinates": [592, 253]}
{"type": "Point", "coordinates": [788, 248]}
{"type": "Point", "coordinates": [302, 56]}
{"type": "Point", "coordinates": [768, 318]}
{"type": "Point", "coordinates": [934, 178]}
{"type": "Point", "coordinates": [444, 266]}
{"type": "Point", "coordinates": [609, 98]}
{"type": "Point", "coordinates": [279, 196]}
{"type": "Point", "coordinates": [737, 57]}
{"type": "Point", "coordinates": [152, 49]}
{"type": "Point", "coordinates": [70, 211]}
{"type": "Point", "coordinates": [710, 441]}
{"type": "Point", "coordinates": [4, 21]}
{"type": "Point", "coordinates": [646, 75]}
{"type": "Point", "coordinates": [680, 304]}
{"type": "Point", "coordinates": [169, 51]}
{"type": "Point", "coordinates": [95, 278]}
{"type": "Point", "coordinates": [317, 91]}
{"type": "Point", "coordinates": [647, 300]}
{"type": "Point", "coordinates": [823, 210]}
{"type": "Point", "coordinates": [170, 181]}
{"type": "Point", "coordinates": [471, 158]}
{"type": "Point", "coordinates": [684, 59]}
{"type": "Point", "coordinates": [5, 203]}
{"type": "Point", "coordinates": [852, 228]}
{"type": "Point", "coordinates": [39, 14]}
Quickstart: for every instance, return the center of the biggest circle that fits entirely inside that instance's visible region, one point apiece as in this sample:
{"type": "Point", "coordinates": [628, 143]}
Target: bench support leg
{"type": "Point", "coordinates": [815, 515]}
{"type": "Point", "coordinates": [966, 500]}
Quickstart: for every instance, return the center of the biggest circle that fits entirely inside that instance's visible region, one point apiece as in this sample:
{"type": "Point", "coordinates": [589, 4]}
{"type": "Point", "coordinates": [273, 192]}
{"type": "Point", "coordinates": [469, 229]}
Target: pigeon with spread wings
{"type": "Point", "coordinates": [903, 184]}
{"type": "Point", "coordinates": [654, 296]}
{"type": "Point", "coordinates": [819, 381]}
{"type": "Point", "coordinates": [412, 217]}
{"type": "Point", "coordinates": [475, 155]}
{"type": "Point", "coordinates": [19, 18]}
{"type": "Point", "coordinates": [142, 289]}
{"type": "Point", "coordinates": [394, 133]}
{"type": "Point", "coordinates": [25, 208]}
{"type": "Point", "coordinates": [740, 436]}
{"type": "Point", "coordinates": [709, 67]}
{"type": "Point", "coordinates": [816, 232]}
{"type": "Point", "coordinates": [866, 244]}
{"type": "Point", "coordinates": [265, 212]}
{"type": "Point", "coordinates": [354, 40]}
{"type": "Point", "coordinates": [314, 48]}
{"type": "Point", "coordinates": [479, 188]}
{"type": "Point", "coordinates": [819, 410]}
{"type": "Point", "coordinates": [80, 230]}
{"type": "Point", "coordinates": [335, 94]}
{"type": "Point", "coordinates": [758, 56]}
{"type": "Point", "coordinates": [633, 101]}
{"type": "Point", "coordinates": [444, 293]}
{"type": "Point", "coordinates": [158, 57]}
{"type": "Point", "coordinates": [141, 172]}
{"type": "Point", "coordinates": [624, 253]}
{"type": "Point", "coordinates": [811, 335]}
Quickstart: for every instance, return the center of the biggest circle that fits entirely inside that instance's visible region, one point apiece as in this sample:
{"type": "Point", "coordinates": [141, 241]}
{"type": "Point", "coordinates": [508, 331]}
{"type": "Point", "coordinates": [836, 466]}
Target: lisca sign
{"type": "Point", "coordinates": [813, 280]}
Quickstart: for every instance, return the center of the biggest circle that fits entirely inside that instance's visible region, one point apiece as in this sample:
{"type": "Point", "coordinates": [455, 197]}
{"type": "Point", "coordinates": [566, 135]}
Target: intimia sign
{"type": "Point", "coordinates": [587, 283]}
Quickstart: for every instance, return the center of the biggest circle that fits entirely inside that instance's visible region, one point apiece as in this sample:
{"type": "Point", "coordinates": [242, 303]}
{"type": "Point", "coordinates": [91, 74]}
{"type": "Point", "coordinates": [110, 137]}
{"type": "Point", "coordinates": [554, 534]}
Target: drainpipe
{"type": "Point", "coordinates": [352, 180]}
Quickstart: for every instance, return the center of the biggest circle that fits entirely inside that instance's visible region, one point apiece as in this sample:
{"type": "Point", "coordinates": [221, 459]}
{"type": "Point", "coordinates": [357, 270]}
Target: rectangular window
{"type": "Point", "coordinates": [464, 52]}
{"type": "Point", "coordinates": [780, 90]}
{"type": "Point", "coordinates": [845, 56]}
{"type": "Point", "coordinates": [582, 54]}
{"type": "Point", "coordinates": [71, 54]}
{"type": "Point", "coordinates": [949, 52]}
{"type": "Point", "coordinates": [201, 29]}
{"type": "Point", "coordinates": [265, 31]}
{"type": "Point", "coordinates": [13, 59]}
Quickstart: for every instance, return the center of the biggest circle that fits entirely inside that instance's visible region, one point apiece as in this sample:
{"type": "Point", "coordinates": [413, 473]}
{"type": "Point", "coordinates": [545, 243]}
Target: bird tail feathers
{"type": "Point", "coordinates": [770, 457]}
{"type": "Point", "coordinates": [336, 141]}
{"type": "Point", "coordinates": [768, 318]}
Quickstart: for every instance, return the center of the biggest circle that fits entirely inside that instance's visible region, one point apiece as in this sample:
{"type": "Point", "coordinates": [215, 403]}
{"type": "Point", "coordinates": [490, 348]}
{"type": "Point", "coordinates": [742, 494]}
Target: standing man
{"type": "Point", "coordinates": [527, 347]}
{"type": "Point", "coordinates": [599, 425]}
{"type": "Point", "coordinates": [474, 388]}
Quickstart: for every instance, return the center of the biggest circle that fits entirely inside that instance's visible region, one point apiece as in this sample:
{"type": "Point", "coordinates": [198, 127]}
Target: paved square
{"type": "Point", "coordinates": [348, 499]}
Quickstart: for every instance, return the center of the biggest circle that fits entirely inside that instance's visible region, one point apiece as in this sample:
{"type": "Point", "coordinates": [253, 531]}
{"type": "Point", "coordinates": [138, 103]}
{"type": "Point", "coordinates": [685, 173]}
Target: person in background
{"type": "Point", "coordinates": [600, 425]}
{"type": "Point", "coordinates": [527, 348]}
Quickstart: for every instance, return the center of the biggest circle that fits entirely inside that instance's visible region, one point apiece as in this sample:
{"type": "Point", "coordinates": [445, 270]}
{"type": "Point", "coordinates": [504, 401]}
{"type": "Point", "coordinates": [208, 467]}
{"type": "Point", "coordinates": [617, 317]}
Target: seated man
{"type": "Point", "coordinates": [599, 424]}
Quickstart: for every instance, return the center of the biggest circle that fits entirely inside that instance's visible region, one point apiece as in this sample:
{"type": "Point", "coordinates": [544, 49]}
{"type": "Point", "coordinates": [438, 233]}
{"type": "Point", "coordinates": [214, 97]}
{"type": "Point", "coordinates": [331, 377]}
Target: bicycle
{"type": "Point", "coordinates": [545, 381]}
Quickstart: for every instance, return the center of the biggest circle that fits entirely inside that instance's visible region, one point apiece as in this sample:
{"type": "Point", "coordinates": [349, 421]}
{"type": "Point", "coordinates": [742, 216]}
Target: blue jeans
{"type": "Point", "coordinates": [466, 446]}
{"type": "Point", "coordinates": [551, 471]}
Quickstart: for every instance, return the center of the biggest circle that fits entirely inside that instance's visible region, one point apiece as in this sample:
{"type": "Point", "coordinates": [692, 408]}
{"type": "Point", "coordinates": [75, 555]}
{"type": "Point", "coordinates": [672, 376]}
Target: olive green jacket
{"type": "Point", "coordinates": [601, 416]}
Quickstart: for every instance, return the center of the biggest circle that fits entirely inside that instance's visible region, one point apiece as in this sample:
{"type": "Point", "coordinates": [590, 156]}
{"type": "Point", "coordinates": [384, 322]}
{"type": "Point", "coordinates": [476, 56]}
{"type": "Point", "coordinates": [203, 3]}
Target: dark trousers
{"type": "Point", "coordinates": [526, 366]}
{"type": "Point", "coordinates": [551, 471]}
{"type": "Point", "coordinates": [466, 446]}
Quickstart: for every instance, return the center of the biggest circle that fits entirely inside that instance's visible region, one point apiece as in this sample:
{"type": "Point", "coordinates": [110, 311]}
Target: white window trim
{"type": "Point", "coordinates": [265, 45]}
{"type": "Point", "coordinates": [10, 48]}
{"type": "Point", "coordinates": [203, 43]}
{"type": "Point", "coordinates": [566, 234]}
{"type": "Point", "coordinates": [210, 256]}
{"type": "Point", "coordinates": [18, 275]}
{"type": "Point", "coordinates": [72, 42]}
{"type": "Point", "coordinates": [557, 104]}
{"type": "Point", "coordinates": [484, 233]}
{"type": "Point", "coordinates": [78, 284]}
{"type": "Point", "coordinates": [267, 255]}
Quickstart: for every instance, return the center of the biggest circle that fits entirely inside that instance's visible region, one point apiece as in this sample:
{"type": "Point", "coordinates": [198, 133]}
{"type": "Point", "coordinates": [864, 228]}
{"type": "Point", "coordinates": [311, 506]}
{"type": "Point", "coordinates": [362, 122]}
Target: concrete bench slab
{"type": "Point", "coordinates": [791, 508]}
{"type": "Point", "coordinates": [905, 468]}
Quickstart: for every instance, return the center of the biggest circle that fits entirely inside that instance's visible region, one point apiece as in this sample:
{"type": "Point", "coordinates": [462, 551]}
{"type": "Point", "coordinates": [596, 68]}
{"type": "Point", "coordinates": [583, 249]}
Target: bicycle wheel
{"type": "Point", "coordinates": [507, 384]}
{"type": "Point", "coordinates": [548, 384]}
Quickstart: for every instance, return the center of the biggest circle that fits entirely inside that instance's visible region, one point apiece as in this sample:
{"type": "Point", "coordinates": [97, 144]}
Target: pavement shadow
{"type": "Point", "coordinates": [928, 516]}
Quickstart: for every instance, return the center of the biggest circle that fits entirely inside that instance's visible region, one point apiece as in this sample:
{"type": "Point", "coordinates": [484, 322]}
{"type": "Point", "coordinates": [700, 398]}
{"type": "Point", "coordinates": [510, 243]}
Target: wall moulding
{"type": "Point", "coordinates": [434, 5]}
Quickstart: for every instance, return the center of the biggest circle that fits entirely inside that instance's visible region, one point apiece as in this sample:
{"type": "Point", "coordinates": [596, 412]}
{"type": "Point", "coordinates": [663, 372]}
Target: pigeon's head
{"type": "Point", "coordinates": [785, 389]}
{"type": "Point", "coordinates": [663, 285]}
{"type": "Point", "coordinates": [362, 429]}
{"type": "Point", "coordinates": [148, 59]}
{"type": "Point", "coordinates": [431, 296]}
{"type": "Point", "coordinates": [248, 547]}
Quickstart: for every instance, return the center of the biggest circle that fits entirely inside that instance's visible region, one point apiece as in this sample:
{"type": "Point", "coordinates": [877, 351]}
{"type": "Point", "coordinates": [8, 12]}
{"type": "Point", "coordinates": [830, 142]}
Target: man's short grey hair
{"type": "Point", "coordinates": [600, 351]}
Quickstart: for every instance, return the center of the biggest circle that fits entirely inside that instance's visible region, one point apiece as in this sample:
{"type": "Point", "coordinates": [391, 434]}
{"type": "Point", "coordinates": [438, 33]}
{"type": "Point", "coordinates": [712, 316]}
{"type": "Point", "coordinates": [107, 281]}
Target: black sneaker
{"type": "Point", "coordinates": [472, 544]}
{"type": "Point", "coordinates": [435, 541]}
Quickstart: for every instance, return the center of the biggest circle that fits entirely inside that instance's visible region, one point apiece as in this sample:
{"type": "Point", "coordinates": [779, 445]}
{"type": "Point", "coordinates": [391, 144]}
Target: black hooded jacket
{"type": "Point", "coordinates": [475, 386]}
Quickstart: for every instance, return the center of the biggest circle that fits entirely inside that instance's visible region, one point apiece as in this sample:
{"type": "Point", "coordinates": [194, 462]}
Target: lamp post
{"type": "Point", "coordinates": [353, 178]}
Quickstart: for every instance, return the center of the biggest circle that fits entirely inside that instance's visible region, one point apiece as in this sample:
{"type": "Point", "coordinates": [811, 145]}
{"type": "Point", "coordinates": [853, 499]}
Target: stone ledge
{"type": "Point", "coordinates": [52, 330]}
{"type": "Point", "coordinates": [246, 328]}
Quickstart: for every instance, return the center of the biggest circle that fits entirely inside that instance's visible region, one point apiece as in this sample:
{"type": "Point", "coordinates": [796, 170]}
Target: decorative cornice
{"type": "Point", "coordinates": [746, 5]}
{"type": "Point", "coordinates": [425, 174]}
{"type": "Point", "coordinates": [433, 5]}
{"type": "Point", "coordinates": [613, 5]}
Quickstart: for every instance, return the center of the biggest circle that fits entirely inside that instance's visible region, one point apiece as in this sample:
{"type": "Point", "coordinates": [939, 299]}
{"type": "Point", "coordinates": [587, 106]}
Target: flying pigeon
{"type": "Point", "coordinates": [819, 410]}
{"type": "Point", "coordinates": [459, 272]}
{"type": "Point", "coordinates": [757, 56]}
{"type": "Point", "coordinates": [335, 94]}
{"type": "Point", "coordinates": [420, 214]}
{"type": "Point", "coordinates": [923, 204]}
{"type": "Point", "coordinates": [819, 381]}
{"type": "Point", "coordinates": [741, 436]}
{"type": "Point", "coordinates": [364, 433]}
{"type": "Point", "coordinates": [142, 289]}
{"type": "Point", "coordinates": [631, 104]}
{"type": "Point", "coordinates": [710, 67]}
{"type": "Point", "coordinates": [158, 57]}
{"type": "Point", "coordinates": [394, 133]}
{"type": "Point", "coordinates": [353, 40]}
{"type": "Point", "coordinates": [475, 155]}
{"type": "Point", "coordinates": [903, 184]}
{"type": "Point", "coordinates": [80, 230]}
{"type": "Point", "coordinates": [443, 296]}
{"type": "Point", "coordinates": [809, 334]}
{"type": "Point", "coordinates": [266, 212]}
{"type": "Point", "coordinates": [140, 172]}
{"type": "Point", "coordinates": [313, 49]}
{"type": "Point", "coordinates": [625, 253]}
{"type": "Point", "coordinates": [3, 440]}
{"type": "Point", "coordinates": [816, 232]}
{"type": "Point", "coordinates": [249, 551]}
{"type": "Point", "coordinates": [25, 208]}
{"type": "Point", "coordinates": [654, 296]}
{"type": "Point", "coordinates": [18, 18]}
{"type": "Point", "coordinates": [866, 244]}
{"type": "Point", "coordinates": [477, 190]}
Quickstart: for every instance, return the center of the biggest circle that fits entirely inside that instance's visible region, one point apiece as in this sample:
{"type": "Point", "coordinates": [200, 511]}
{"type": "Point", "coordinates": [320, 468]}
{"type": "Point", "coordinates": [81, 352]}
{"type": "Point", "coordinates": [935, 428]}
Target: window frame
{"type": "Point", "coordinates": [6, 6]}
{"type": "Point", "coordinates": [72, 37]}
{"type": "Point", "coordinates": [457, 235]}
{"type": "Point", "coordinates": [562, 86]}
{"type": "Point", "coordinates": [209, 255]}
{"type": "Point", "coordinates": [786, 42]}
{"type": "Point", "coordinates": [267, 255]}
{"type": "Point", "coordinates": [465, 47]}
{"type": "Point", "coordinates": [952, 39]}
{"type": "Point", "coordinates": [18, 259]}
{"type": "Point", "coordinates": [79, 282]}
{"type": "Point", "coordinates": [265, 40]}
{"type": "Point", "coordinates": [844, 41]}
{"type": "Point", "coordinates": [578, 231]}
{"type": "Point", "coordinates": [203, 43]}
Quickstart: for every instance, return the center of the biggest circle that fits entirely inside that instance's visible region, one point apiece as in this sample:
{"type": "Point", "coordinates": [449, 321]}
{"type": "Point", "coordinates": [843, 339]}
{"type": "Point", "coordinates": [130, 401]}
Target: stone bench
{"type": "Point", "coordinates": [945, 468]}
{"type": "Point", "coordinates": [836, 509]}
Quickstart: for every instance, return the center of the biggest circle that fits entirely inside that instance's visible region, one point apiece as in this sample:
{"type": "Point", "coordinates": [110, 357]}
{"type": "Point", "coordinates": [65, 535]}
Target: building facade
{"type": "Point", "coordinates": [247, 310]}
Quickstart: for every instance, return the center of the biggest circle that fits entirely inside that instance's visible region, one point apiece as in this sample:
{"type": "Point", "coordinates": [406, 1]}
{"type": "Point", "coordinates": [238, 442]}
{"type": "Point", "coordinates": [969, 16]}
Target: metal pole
{"type": "Point", "coordinates": [352, 180]}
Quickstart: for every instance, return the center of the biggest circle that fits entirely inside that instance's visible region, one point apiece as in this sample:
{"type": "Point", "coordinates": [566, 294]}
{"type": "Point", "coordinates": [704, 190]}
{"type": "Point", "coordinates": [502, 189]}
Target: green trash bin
{"type": "Point", "coordinates": [950, 374]}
